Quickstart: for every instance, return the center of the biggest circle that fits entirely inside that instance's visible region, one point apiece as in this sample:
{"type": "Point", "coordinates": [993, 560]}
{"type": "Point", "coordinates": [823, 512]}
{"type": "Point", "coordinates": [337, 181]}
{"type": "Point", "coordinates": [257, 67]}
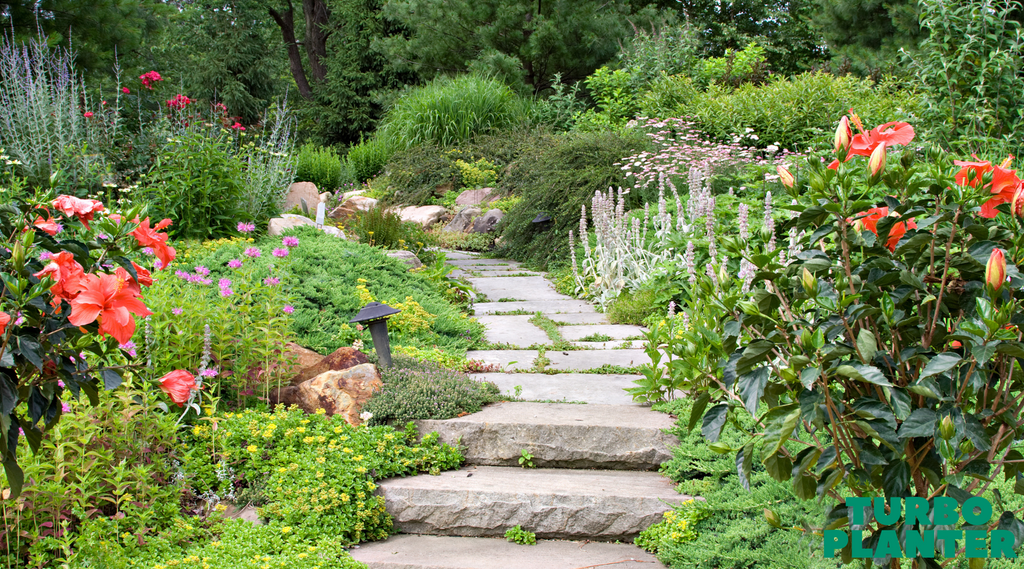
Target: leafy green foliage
{"type": "Point", "coordinates": [868, 33]}
{"type": "Point", "coordinates": [382, 228]}
{"type": "Point", "coordinates": [521, 536]}
{"type": "Point", "coordinates": [791, 113]}
{"type": "Point", "coordinates": [448, 111]}
{"type": "Point", "coordinates": [523, 42]}
{"type": "Point", "coordinates": [320, 166]}
{"type": "Point", "coordinates": [325, 273]}
{"type": "Point", "coordinates": [98, 462]}
{"type": "Point", "coordinates": [191, 543]}
{"type": "Point", "coordinates": [729, 524]}
{"type": "Point", "coordinates": [971, 66]}
{"type": "Point", "coordinates": [367, 159]}
{"type": "Point", "coordinates": [557, 175]}
{"type": "Point", "coordinates": [197, 182]}
{"type": "Point", "coordinates": [424, 390]}
{"type": "Point", "coordinates": [633, 307]}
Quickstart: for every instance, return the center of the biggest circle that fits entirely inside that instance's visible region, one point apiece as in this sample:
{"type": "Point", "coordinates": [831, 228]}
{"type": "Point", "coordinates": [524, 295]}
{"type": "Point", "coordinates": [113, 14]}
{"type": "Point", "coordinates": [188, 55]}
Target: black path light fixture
{"type": "Point", "coordinates": [375, 315]}
{"type": "Point", "coordinates": [542, 222]}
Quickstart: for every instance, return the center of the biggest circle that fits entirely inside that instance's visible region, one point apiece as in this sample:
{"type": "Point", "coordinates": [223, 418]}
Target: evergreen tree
{"type": "Point", "coordinates": [869, 33]}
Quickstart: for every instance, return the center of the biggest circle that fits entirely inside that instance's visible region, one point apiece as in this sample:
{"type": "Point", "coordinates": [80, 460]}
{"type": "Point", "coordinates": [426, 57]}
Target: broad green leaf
{"type": "Point", "coordinates": [865, 373]}
{"type": "Point", "coordinates": [751, 387]}
{"type": "Point", "coordinates": [940, 364]}
{"type": "Point", "coordinates": [920, 423]}
{"type": "Point", "coordinates": [714, 420]}
{"type": "Point", "coordinates": [866, 344]}
{"type": "Point", "coordinates": [779, 425]}
{"type": "Point", "coordinates": [698, 410]}
{"type": "Point", "coordinates": [744, 462]}
{"type": "Point", "coordinates": [808, 376]}
{"type": "Point", "coordinates": [779, 467]}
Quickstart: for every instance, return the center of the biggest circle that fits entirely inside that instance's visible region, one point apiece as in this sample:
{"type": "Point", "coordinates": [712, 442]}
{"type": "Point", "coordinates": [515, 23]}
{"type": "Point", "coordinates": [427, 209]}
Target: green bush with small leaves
{"type": "Point", "coordinates": [367, 159]}
{"type": "Point", "coordinates": [423, 390]}
{"type": "Point", "coordinates": [521, 536]}
{"type": "Point", "coordinates": [319, 165]}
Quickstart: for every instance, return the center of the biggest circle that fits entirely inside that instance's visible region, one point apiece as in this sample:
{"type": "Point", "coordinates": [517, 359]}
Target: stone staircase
{"type": "Point", "coordinates": [594, 484]}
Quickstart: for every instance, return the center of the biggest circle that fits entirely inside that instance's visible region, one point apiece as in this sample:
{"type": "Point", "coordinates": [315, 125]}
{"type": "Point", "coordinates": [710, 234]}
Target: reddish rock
{"type": "Point", "coordinates": [341, 359]}
{"type": "Point", "coordinates": [340, 392]}
{"type": "Point", "coordinates": [476, 197]}
{"type": "Point", "coordinates": [302, 191]}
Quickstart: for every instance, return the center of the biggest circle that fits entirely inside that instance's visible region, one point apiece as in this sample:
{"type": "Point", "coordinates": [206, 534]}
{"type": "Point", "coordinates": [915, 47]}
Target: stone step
{"type": "Point", "coordinates": [444, 552]}
{"type": "Point", "coordinates": [516, 288]}
{"type": "Point", "coordinates": [549, 307]}
{"type": "Point", "coordinates": [595, 388]}
{"type": "Point", "coordinates": [482, 501]}
{"type": "Point", "coordinates": [514, 330]}
{"type": "Point", "coordinates": [561, 435]}
{"type": "Point", "coordinates": [613, 331]}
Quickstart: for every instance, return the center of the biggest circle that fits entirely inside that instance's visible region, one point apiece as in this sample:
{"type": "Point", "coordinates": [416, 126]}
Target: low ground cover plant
{"type": "Point", "coordinates": [425, 390]}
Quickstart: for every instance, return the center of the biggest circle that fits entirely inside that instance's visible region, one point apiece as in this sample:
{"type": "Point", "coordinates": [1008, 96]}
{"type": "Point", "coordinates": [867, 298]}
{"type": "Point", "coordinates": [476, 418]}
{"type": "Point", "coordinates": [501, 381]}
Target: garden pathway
{"type": "Point", "coordinates": [593, 485]}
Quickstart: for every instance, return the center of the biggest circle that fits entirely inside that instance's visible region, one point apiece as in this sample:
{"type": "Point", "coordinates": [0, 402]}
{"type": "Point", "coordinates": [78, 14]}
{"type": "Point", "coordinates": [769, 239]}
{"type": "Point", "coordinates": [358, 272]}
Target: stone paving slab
{"type": "Point", "coordinates": [560, 435]}
{"type": "Point", "coordinates": [523, 358]}
{"type": "Point", "coordinates": [614, 331]}
{"type": "Point", "coordinates": [514, 330]}
{"type": "Point", "coordinates": [519, 288]}
{"type": "Point", "coordinates": [589, 359]}
{"type": "Point", "coordinates": [472, 262]}
{"type": "Point", "coordinates": [580, 318]}
{"type": "Point", "coordinates": [476, 272]}
{"type": "Point", "coordinates": [405, 551]}
{"type": "Point", "coordinates": [459, 255]}
{"type": "Point", "coordinates": [549, 307]}
{"type": "Point", "coordinates": [609, 345]}
{"type": "Point", "coordinates": [482, 501]}
{"type": "Point", "coordinates": [605, 389]}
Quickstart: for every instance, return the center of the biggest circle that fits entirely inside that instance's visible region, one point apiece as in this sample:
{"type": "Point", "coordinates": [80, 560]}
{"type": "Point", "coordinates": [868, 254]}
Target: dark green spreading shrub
{"type": "Point", "coordinates": [324, 273]}
{"type": "Point", "coordinates": [733, 532]}
{"type": "Point", "coordinates": [633, 307]}
{"type": "Point", "coordinates": [424, 390]}
{"type": "Point", "coordinates": [320, 166]}
{"type": "Point", "coordinates": [383, 228]}
{"type": "Point", "coordinates": [556, 175]}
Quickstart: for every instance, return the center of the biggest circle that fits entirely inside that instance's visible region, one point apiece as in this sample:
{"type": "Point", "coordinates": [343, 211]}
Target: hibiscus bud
{"type": "Point", "coordinates": [809, 282]}
{"type": "Point", "coordinates": [786, 177]}
{"type": "Point", "coordinates": [946, 428]}
{"type": "Point", "coordinates": [1017, 205]}
{"type": "Point", "coordinates": [995, 270]}
{"type": "Point", "coordinates": [876, 163]}
{"type": "Point", "coordinates": [844, 135]}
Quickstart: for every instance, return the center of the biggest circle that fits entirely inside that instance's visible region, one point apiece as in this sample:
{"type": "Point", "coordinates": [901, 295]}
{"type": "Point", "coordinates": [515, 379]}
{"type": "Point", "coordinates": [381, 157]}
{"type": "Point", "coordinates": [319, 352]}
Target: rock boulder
{"type": "Point", "coordinates": [340, 392]}
{"type": "Point", "coordinates": [486, 222]}
{"type": "Point", "coordinates": [463, 220]}
{"type": "Point", "coordinates": [351, 206]}
{"type": "Point", "coordinates": [407, 257]}
{"type": "Point", "coordinates": [302, 191]}
{"type": "Point", "coordinates": [476, 197]}
{"type": "Point", "coordinates": [279, 225]}
{"type": "Point", "coordinates": [339, 360]}
{"type": "Point", "coordinates": [425, 215]}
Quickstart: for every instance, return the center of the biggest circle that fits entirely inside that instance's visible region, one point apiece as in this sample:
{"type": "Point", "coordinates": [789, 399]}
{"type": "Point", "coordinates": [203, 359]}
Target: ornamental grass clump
{"type": "Point", "coordinates": [884, 358]}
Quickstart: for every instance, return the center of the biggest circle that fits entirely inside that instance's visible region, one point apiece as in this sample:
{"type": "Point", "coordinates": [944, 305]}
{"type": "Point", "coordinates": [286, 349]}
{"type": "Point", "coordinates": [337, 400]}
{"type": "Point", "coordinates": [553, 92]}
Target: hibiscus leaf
{"type": "Point", "coordinates": [126, 265]}
{"type": "Point", "coordinates": [111, 379]}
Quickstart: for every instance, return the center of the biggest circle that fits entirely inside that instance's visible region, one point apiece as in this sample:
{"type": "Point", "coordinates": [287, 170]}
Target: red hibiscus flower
{"type": "Point", "coordinates": [150, 237]}
{"type": "Point", "coordinates": [82, 209]}
{"type": "Point", "coordinates": [896, 232]}
{"type": "Point", "coordinates": [1003, 185]}
{"type": "Point", "coordinates": [67, 274]}
{"type": "Point", "coordinates": [178, 385]}
{"type": "Point", "coordinates": [5, 319]}
{"type": "Point", "coordinates": [112, 301]}
{"type": "Point", "coordinates": [864, 143]}
{"type": "Point", "coordinates": [145, 279]}
{"type": "Point", "coordinates": [48, 225]}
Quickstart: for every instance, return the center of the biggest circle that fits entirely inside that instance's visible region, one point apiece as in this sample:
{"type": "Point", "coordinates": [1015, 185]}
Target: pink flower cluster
{"type": "Point", "coordinates": [199, 277]}
{"type": "Point", "coordinates": [179, 102]}
{"type": "Point", "coordinates": [149, 78]}
{"type": "Point", "coordinates": [238, 126]}
{"type": "Point", "coordinates": [246, 227]}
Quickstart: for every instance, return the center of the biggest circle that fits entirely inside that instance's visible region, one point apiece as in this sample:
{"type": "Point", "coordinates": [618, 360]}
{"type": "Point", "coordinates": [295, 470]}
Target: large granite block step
{"type": "Point", "coordinates": [560, 435]}
{"type": "Point", "coordinates": [482, 501]}
{"type": "Point", "coordinates": [443, 552]}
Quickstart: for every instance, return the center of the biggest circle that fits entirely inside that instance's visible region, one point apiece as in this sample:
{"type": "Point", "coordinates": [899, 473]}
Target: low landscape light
{"type": "Point", "coordinates": [375, 315]}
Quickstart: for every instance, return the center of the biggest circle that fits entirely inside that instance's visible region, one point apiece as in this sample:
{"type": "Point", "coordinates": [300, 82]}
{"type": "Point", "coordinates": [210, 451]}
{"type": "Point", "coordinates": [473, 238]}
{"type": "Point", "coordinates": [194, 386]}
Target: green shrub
{"type": "Point", "coordinates": [462, 241]}
{"type": "Point", "coordinates": [424, 390]}
{"type": "Point", "coordinates": [320, 166]}
{"type": "Point", "coordinates": [633, 307]}
{"type": "Point", "coordinates": [729, 529]}
{"type": "Point", "coordinates": [792, 113]}
{"type": "Point", "coordinates": [477, 174]}
{"type": "Point", "coordinates": [324, 277]}
{"type": "Point", "coordinates": [556, 175]}
{"type": "Point", "coordinates": [382, 228]}
{"type": "Point", "coordinates": [452, 110]}
{"type": "Point", "coordinates": [521, 536]}
{"type": "Point", "coordinates": [197, 182]}
{"type": "Point", "coordinates": [367, 159]}
{"type": "Point", "coordinates": [417, 175]}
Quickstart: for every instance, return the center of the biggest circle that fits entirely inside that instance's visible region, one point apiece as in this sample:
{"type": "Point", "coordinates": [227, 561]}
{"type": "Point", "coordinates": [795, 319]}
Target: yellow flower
{"type": "Point", "coordinates": [251, 448]}
{"type": "Point", "coordinates": [286, 529]}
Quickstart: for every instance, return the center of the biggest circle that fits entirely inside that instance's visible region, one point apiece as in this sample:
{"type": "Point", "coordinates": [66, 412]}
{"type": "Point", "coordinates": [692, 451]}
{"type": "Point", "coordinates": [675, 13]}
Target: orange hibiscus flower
{"type": "Point", "coordinates": [82, 209]}
{"type": "Point", "coordinates": [178, 384]}
{"type": "Point", "coordinates": [111, 300]}
{"type": "Point", "coordinates": [5, 319]}
{"type": "Point", "coordinates": [1003, 185]}
{"type": "Point", "coordinates": [50, 226]}
{"type": "Point", "coordinates": [864, 143]}
{"type": "Point", "coordinates": [896, 232]}
{"type": "Point", "coordinates": [151, 237]}
{"type": "Point", "coordinates": [145, 278]}
{"type": "Point", "coordinates": [67, 274]}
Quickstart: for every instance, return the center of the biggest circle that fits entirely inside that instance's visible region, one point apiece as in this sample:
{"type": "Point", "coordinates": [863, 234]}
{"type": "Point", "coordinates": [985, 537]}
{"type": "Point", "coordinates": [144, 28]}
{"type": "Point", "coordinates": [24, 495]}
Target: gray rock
{"type": "Point", "coordinates": [513, 330]}
{"type": "Point", "coordinates": [548, 307]}
{"type": "Point", "coordinates": [592, 388]}
{"type": "Point", "coordinates": [486, 222]}
{"type": "Point", "coordinates": [247, 513]}
{"type": "Point", "coordinates": [407, 257]}
{"type": "Point", "coordinates": [561, 435]}
{"type": "Point", "coordinates": [556, 504]}
{"type": "Point", "coordinates": [425, 215]}
{"type": "Point", "coordinates": [302, 191]}
{"type": "Point", "coordinates": [463, 220]}
{"type": "Point", "coordinates": [447, 552]}
{"type": "Point", "coordinates": [279, 225]}
{"type": "Point", "coordinates": [335, 231]}
{"type": "Point", "coordinates": [476, 197]}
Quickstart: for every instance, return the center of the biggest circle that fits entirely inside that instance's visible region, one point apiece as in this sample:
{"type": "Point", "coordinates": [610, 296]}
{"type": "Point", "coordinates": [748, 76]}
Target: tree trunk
{"type": "Point", "coordinates": [286, 22]}
{"type": "Point", "coordinates": [317, 16]}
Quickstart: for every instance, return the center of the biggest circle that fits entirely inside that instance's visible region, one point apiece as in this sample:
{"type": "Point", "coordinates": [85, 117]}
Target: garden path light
{"type": "Point", "coordinates": [375, 315]}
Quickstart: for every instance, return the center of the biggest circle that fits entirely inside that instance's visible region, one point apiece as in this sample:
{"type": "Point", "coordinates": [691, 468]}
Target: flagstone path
{"type": "Point", "coordinates": [593, 486]}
